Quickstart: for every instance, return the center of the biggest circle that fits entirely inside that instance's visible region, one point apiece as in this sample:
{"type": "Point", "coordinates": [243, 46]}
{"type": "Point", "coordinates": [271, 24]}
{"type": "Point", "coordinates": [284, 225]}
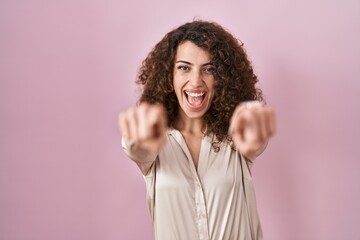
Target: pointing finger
{"type": "Point", "coordinates": [132, 123]}
{"type": "Point", "coordinates": [123, 125]}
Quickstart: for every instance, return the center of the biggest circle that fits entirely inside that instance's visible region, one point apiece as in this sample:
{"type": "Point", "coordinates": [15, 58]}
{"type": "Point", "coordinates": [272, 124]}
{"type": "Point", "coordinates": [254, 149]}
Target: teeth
{"type": "Point", "coordinates": [194, 94]}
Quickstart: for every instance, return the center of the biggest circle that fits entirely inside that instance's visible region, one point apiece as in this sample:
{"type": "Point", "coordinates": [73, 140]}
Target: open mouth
{"type": "Point", "coordinates": [195, 99]}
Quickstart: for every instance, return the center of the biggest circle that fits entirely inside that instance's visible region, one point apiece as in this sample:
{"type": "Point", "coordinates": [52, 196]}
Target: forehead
{"type": "Point", "coordinates": [190, 52]}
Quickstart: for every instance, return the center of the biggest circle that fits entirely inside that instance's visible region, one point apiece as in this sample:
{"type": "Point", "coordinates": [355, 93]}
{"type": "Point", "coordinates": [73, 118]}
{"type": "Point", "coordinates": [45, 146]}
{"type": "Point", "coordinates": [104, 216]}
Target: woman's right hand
{"type": "Point", "coordinates": [144, 125]}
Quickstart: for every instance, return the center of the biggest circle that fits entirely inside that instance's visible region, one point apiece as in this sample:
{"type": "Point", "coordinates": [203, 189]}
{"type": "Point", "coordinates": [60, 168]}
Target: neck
{"type": "Point", "coordinates": [192, 126]}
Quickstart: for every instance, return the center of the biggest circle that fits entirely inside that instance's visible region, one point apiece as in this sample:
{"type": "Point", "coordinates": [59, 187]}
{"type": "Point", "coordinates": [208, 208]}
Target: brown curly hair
{"type": "Point", "coordinates": [235, 78]}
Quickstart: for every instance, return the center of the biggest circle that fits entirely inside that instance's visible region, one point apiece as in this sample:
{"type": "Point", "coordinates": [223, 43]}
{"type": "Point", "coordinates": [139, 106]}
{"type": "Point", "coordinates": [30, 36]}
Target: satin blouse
{"type": "Point", "coordinates": [214, 201]}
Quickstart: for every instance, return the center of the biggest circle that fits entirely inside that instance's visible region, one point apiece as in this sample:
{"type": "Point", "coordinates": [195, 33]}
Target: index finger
{"type": "Point", "coordinates": [157, 120]}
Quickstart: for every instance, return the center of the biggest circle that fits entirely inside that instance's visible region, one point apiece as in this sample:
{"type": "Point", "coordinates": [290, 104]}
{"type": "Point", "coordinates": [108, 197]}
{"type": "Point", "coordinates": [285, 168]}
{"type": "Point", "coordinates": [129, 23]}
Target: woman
{"type": "Point", "coordinates": [198, 127]}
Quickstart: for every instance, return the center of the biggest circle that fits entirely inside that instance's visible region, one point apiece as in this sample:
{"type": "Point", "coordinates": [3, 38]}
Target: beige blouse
{"type": "Point", "coordinates": [215, 201]}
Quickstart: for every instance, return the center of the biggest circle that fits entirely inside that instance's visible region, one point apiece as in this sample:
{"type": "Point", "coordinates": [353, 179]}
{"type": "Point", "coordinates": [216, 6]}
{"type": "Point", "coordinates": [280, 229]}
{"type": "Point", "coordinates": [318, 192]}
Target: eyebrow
{"type": "Point", "coordinates": [189, 63]}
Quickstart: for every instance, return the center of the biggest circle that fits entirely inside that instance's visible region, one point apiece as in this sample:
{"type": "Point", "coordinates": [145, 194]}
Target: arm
{"type": "Point", "coordinates": [142, 157]}
{"type": "Point", "coordinates": [251, 126]}
{"type": "Point", "coordinates": [143, 133]}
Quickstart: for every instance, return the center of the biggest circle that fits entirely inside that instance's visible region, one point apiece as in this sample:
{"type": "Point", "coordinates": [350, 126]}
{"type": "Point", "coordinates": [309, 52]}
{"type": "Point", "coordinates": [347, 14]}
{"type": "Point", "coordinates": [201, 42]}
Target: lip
{"type": "Point", "coordinates": [195, 91]}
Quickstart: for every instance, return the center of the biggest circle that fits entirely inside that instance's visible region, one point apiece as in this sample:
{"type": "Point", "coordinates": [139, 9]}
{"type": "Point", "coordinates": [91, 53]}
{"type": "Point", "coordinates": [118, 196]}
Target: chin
{"type": "Point", "coordinates": [195, 114]}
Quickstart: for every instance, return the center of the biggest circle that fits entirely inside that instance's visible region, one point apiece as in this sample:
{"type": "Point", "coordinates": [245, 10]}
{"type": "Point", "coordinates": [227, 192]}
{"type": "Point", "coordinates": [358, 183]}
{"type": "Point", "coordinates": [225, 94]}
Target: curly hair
{"type": "Point", "coordinates": [235, 78]}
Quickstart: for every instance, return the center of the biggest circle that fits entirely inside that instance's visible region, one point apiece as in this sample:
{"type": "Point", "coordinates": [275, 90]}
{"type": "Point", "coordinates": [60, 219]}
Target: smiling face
{"type": "Point", "coordinates": [194, 81]}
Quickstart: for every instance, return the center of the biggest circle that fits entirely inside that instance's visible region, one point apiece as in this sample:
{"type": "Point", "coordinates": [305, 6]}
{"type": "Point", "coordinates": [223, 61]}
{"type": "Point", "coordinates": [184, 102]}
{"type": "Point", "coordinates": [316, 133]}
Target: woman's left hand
{"type": "Point", "coordinates": [251, 126]}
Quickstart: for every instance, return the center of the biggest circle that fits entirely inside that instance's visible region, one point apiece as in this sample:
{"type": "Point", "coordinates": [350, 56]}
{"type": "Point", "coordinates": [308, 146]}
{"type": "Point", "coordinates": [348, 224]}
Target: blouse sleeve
{"type": "Point", "coordinates": [143, 158]}
{"type": "Point", "coordinates": [250, 160]}
{"type": "Point", "coordinates": [258, 152]}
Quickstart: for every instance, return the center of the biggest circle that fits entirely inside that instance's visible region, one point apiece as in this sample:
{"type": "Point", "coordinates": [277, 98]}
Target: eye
{"type": "Point", "coordinates": [183, 68]}
{"type": "Point", "coordinates": [209, 69]}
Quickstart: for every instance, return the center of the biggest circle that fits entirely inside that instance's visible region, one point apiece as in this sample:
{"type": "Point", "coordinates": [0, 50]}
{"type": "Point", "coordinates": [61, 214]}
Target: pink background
{"type": "Point", "coordinates": [67, 68]}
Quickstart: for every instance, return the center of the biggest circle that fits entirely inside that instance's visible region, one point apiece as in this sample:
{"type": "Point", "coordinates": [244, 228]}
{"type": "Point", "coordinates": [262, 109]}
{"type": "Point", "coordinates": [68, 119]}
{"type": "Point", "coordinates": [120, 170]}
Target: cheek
{"type": "Point", "coordinates": [177, 85]}
{"type": "Point", "coordinates": [212, 90]}
{"type": "Point", "coordinates": [211, 85]}
{"type": "Point", "coordinates": [177, 90]}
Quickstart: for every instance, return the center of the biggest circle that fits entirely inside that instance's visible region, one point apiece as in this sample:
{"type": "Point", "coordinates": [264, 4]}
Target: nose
{"type": "Point", "coordinates": [196, 78]}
